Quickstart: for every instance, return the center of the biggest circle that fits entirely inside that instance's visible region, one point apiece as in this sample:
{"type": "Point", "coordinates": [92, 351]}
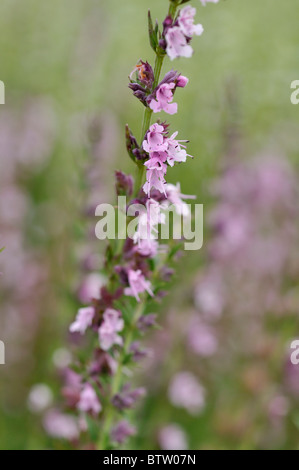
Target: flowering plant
{"type": "Point", "coordinates": [136, 270]}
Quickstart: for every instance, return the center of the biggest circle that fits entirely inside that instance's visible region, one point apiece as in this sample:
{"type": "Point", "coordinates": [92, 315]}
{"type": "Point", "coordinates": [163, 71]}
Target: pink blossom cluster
{"type": "Point", "coordinates": [111, 324]}
{"type": "Point", "coordinates": [179, 34]}
{"type": "Point", "coordinates": [163, 151]}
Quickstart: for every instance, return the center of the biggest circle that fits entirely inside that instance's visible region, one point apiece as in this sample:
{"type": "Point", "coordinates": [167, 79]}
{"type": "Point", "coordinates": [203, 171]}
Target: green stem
{"type": "Point", "coordinates": [116, 381]}
{"type": "Point", "coordinates": [172, 8]}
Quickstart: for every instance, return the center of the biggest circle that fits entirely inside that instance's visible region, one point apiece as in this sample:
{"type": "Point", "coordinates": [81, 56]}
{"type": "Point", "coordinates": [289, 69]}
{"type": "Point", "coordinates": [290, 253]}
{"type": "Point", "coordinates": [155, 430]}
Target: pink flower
{"type": "Point", "coordinates": [172, 437]}
{"type": "Point", "coordinates": [176, 151]}
{"type": "Point", "coordinates": [90, 288]}
{"type": "Point", "coordinates": [202, 338]}
{"type": "Point", "coordinates": [175, 196]}
{"type": "Point", "coordinates": [155, 141]}
{"type": "Point", "coordinates": [61, 425]}
{"type": "Point", "coordinates": [164, 98]}
{"type": "Point", "coordinates": [138, 284]}
{"type": "Point", "coordinates": [155, 179]}
{"type": "Point", "coordinates": [83, 320]}
{"type": "Point", "coordinates": [209, 296]}
{"type": "Point", "coordinates": [89, 400]}
{"type": "Point", "coordinates": [122, 431]}
{"type": "Point", "coordinates": [157, 161]}
{"type": "Point", "coordinates": [173, 152]}
{"type": "Point", "coordinates": [148, 221]}
{"type": "Point", "coordinates": [182, 81]}
{"type": "Point", "coordinates": [147, 248]}
{"type": "Point", "coordinates": [177, 45]}
{"type": "Point", "coordinates": [186, 392]}
{"type": "Point", "coordinates": [186, 22]}
{"type": "Point", "coordinates": [112, 324]}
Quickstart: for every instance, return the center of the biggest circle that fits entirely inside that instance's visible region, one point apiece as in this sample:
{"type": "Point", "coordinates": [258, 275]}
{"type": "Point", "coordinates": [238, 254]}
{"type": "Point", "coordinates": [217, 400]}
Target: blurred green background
{"type": "Point", "coordinates": [65, 65]}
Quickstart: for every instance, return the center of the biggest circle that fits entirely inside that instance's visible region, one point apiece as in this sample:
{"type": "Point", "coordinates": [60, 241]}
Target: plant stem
{"type": "Point", "coordinates": [172, 8]}
{"type": "Point", "coordinates": [116, 382]}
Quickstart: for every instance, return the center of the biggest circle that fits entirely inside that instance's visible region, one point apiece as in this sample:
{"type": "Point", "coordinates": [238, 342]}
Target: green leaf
{"type": "Point", "coordinates": [174, 250]}
{"type": "Point", "coordinates": [153, 33]}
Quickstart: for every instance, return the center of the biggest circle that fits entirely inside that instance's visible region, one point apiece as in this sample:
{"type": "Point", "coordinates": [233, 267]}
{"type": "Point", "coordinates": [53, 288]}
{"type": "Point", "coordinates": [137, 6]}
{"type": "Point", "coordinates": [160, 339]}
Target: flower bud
{"type": "Point", "coordinates": [124, 184]}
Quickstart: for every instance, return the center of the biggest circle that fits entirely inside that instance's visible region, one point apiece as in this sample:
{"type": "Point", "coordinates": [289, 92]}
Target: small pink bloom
{"type": "Point", "coordinates": [164, 98]}
{"type": "Point", "coordinates": [147, 248]}
{"type": "Point", "coordinates": [148, 221]}
{"type": "Point", "coordinates": [112, 324]}
{"type": "Point", "coordinates": [138, 284]}
{"type": "Point", "coordinates": [61, 426]}
{"type": "Point", "coordinates": [177, 45]}
{"type": "Point", "coordinates": [83, 320]}
{"type": "Point", "coordinates": [186, 392]}
{"type": "Point", "coordinates": [155, 141]}
{"type": "Point", "coordinates": [186, 22]}
{"type": "Point", "coordinates": [157, 161]}
{"type": "Point", "coordinates": [202, 338]}
{"type": "Point", "coordinates": [154, 179]}
{"type": "Point", "coordinates": [90, 288]}
{"type": "Point", "coordinates": [176, 151]}
{"type": "Point", "coordinates": [89, 400]}
{"type": "Point", "coordinates": [175, 196]}
{"type": "Point", "coordinates": [122, 431]}
{"type": "Point", "coordinates": [173, 437]}
{"type": "Point", "coordinates": [182, 81]}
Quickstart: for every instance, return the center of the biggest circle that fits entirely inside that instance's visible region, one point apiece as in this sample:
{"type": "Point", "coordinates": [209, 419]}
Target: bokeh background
{"type": "Point", "coordinates": [219, 376]}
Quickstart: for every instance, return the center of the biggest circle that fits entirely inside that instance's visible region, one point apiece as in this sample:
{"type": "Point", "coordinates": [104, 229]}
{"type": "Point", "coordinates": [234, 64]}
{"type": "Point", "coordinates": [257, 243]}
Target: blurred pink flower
{"type": "Point", "coordinates": [122, 431]}
{"type": "Point", "coordinates": [90, 288]}
{"type": "Point", "coordinates": [112, 324]}
{"type": "Point", "coordinates": [61, 425]}
{"type": "Point", "coordinates": [172, 437]}
{"type": "Point", "coordinates": [83, 320]}
{"type": "Point", "coordinates": [138, 284]}
{"type": "Point", "coordinates": [202, 338]}
{"type": "Point", "coordinates": [40, 398]}
{"type": "Point", "coordinates": [209, 295]}
{"type": "Point", "coordinates": [175, 196]}
{"type": "Point", "coordinates": [147, 248]}
{"type": "Point", "coordinates": [186, 392]}
{"type": "Point", "coordinates": [89, 400]}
